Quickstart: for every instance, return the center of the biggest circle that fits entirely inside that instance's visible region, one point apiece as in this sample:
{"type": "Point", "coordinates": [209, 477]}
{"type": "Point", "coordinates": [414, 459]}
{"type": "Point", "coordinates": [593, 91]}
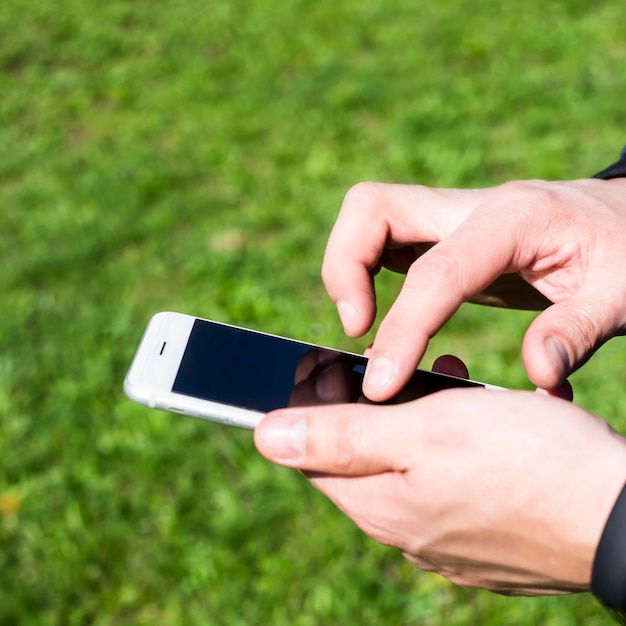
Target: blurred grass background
{"type": "Point", "coordinates": [192, 156]}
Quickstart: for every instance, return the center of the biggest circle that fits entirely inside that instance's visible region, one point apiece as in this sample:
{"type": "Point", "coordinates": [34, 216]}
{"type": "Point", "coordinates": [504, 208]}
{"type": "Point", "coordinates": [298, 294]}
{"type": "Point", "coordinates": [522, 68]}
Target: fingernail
{"type": "Point", "coordinates": [285, 439]}
{"type": "Point", "coordinates": [380, 372]}
{"type": "Point", "coordinates": [347, 314]}
{"type": "Point", "coordinates": [558, 354]}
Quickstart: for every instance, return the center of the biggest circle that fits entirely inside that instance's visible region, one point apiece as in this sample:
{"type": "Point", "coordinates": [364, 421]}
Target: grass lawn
{"type": "Point", "coordinates": [192, 156]}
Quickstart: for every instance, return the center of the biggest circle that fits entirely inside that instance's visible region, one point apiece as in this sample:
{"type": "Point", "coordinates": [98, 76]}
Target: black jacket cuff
{"type": "Point", "coordinates": [617, 170]}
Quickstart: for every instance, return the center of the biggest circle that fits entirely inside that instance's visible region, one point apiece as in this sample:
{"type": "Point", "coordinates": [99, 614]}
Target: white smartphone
{"type": "Point", "coordinates": [234, 376]}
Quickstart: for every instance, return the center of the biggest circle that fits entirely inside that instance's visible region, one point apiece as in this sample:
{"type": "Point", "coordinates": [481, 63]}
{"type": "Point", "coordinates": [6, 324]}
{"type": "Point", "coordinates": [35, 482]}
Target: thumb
{"type": "Point", "coordinates": [346, 439]}
{"type": "Point", "coordinates": [564, 337]}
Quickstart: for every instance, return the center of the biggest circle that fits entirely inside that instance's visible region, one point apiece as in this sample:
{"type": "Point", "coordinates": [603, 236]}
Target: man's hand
{"type": "Point", "coordinates": [507, 491]}
{"type": "Point", "coordinates": [566, 240]}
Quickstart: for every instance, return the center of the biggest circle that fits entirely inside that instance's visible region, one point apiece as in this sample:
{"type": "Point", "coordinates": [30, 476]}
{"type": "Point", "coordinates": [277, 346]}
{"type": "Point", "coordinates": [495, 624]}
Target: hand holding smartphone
{"type": "Point", "coordinates": [233, 375]}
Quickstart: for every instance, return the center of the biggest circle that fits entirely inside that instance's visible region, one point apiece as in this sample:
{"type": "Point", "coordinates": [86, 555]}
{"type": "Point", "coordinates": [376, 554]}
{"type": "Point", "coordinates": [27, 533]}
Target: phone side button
{"type": "Point", "coordinates": [224, 420]}
{"type": "Point", "coordinates": [176, 409]}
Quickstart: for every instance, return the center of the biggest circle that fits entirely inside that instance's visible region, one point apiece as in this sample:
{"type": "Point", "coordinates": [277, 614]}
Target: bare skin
{"type": "Point", "coordinates": [541, 242]}
{"type": "Point", "coordinates": [508, 491]}
{"type": "Point", "coordinates": [492, 489]}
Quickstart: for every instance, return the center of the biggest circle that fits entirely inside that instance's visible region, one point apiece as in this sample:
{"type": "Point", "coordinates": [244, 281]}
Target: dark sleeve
{"type": "Point", "coordinates": [617, 170]}
{"type": "Point", "coordinates": [620, 618]}
{"type": "Point", "coordinates": [608, 573]}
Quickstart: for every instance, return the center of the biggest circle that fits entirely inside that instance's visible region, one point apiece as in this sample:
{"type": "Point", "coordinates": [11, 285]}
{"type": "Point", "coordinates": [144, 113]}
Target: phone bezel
{"type": "Point", "coordinates": [152, 373]}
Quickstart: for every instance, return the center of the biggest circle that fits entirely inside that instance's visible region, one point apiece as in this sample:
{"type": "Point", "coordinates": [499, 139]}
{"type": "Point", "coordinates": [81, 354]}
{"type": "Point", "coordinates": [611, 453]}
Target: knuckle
{"type": "Point", "coordinates": [420, 561]}
{"type": "Point", "coordinates": [533, 198]}
{"type": "Point", "coordinates": [364, 194]}
{"type": "Point", "coordinates": [361, 208]}
{"type": "Point", "coordinates": [327, 272]}
{"type": "Point", "coordinates": [518, 188]}
{"type": "Point", "coordinates": [376, 532]}
{"type": "Point", "coordinates": [586, 329]}
{"type": "Point", "coordinates": [442, 267]}
{"type": "Point", "coordinates": [439, 263]}
{"type": "Point", "coordinates": [512, 191]}
{"type": "Point", "coordinates": [366, 201]}
{"type": "Point", "coordinates": [347, 440]}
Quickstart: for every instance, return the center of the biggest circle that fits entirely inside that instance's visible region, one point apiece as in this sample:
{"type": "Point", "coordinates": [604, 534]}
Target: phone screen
{"type": "Point", "coordinates": [262, 372]}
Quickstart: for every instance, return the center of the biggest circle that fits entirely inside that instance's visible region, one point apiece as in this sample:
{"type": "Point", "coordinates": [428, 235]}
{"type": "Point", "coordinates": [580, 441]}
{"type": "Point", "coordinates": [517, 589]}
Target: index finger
{"type": "Point", "coordinates": [452, 272]}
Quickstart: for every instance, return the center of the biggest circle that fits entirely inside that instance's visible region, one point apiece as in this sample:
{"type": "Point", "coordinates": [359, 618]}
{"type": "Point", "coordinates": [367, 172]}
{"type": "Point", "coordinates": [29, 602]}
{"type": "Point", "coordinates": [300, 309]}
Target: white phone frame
{"type": "Point", "coordinates": [153, 370]}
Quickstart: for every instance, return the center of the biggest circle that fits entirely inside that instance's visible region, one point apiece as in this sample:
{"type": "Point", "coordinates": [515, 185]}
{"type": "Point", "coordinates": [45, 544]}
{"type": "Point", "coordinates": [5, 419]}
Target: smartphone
{"type": "Point", "coordinates": [234, 376]}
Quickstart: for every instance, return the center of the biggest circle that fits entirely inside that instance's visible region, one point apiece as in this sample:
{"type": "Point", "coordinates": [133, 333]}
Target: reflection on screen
{"type": "Point", "coordinates": [260, 372]}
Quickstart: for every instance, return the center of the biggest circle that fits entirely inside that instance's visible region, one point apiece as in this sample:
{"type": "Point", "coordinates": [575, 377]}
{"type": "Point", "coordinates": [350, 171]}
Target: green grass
{"type": "Point", "coordinates": [192, 156]}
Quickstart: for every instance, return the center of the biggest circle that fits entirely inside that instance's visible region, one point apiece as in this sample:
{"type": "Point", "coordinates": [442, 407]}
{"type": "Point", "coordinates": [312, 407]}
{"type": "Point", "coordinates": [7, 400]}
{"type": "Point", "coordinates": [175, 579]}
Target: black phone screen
{"type": "Point", "coordinates": [262, 372]}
